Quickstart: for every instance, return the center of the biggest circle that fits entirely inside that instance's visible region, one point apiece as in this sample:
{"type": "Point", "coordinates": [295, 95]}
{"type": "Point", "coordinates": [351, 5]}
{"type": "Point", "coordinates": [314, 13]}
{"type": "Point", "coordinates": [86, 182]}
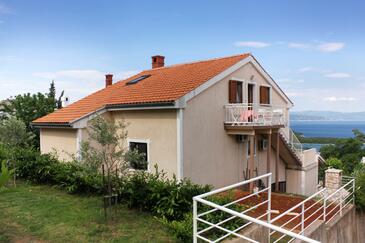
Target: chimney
{"type": "Point", "coordinates": [66, 101]}
{"type": "Point", "coordinates": [158, 61]}
{"type": "Point", "coordinates": [108, 80]}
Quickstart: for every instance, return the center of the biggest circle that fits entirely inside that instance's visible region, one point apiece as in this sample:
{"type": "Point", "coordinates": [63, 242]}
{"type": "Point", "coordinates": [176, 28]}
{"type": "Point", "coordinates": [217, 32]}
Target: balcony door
{"type": "Point", "coordinates": [250, 93]}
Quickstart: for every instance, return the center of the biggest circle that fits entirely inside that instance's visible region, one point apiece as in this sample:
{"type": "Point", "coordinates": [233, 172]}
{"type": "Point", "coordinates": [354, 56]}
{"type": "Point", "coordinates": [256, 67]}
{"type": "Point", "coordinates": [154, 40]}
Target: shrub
{"type": "Point", "coordinates": [167, 198]}
{"type": "Point", "coordinates": [5, 174]}
{"type": "Point", "coordinates": [183, 229]}
{"type": "Point", "coordinates": [359, 175]}
{"type": "Point", "coordinates": [46, 169]}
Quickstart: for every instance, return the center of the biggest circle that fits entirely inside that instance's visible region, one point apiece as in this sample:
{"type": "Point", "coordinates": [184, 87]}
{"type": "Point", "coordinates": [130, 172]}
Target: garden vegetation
{"type": "Point", "coordinates": [169, 199]}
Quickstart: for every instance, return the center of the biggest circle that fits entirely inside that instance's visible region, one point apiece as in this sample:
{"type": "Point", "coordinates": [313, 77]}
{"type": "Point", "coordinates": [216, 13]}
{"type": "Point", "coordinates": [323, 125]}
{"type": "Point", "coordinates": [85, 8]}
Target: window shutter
{"type": "Point", "coordinates": [232, 91]}
{"type": "Point", "coordinates": [264, 95]}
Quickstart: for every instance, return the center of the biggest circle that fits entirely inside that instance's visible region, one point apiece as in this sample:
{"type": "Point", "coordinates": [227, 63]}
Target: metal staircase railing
{"type": "Point", "coordinates": [293, 142]}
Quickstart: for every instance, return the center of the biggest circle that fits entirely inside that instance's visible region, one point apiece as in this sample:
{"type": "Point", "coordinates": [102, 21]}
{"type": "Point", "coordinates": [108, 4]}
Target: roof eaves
{"type": "Point", "coordinates": [51, 124]}
{"type": "Point", "coordinates": [142, 105]}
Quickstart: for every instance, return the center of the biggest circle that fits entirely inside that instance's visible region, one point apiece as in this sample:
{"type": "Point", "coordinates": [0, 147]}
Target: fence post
{"type": "Point", "coordinates": [195, 223]}
{"type": "Point", "coordinates": [302, 219]}
{"type": "Point", "coordinates": [324, 205]}
{"type": "Point", "coordinates": [340, 203]}
{"type": "Point", "coordinates": [269, 205]}
{"type": "Point", "coordinates": [353, 191]}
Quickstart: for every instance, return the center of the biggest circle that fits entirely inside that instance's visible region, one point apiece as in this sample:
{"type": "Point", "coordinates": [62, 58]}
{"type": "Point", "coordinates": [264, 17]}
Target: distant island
{"type": "Point", "coordinates": [327, 116]}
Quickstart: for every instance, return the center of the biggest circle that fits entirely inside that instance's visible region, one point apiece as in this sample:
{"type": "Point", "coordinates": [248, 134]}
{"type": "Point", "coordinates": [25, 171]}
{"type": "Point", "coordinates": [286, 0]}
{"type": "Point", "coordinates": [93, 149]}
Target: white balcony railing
{"type": "Point", "coordinates": [254, 115]}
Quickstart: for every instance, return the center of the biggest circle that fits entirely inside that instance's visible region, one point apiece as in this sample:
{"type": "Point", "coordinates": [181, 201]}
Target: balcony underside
{"type": "Point", "coordinates": [251, 129]}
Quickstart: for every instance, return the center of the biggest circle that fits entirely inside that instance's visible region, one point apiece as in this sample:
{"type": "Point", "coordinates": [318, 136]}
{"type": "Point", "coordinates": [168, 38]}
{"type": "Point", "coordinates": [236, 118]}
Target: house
{"type": "Point", "coordinates": [216, 122]}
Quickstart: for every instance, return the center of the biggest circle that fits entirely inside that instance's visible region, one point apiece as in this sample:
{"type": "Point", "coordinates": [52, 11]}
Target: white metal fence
{"type": "Point", "coordinates": [338, 199]}
{"type": "Point", "coordinates": [302, 216]}
{"type": "Point", "coordinates": [288, 226]}
{"type": "Point", "coordinates": [254, 115]}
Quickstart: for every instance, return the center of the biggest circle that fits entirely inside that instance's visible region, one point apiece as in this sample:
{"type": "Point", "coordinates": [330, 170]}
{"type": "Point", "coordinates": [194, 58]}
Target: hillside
{"type": "Point", "coordinates": [327, 116]}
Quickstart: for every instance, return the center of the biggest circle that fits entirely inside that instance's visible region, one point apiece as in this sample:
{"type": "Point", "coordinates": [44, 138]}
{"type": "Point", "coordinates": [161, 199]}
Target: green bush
{"type": "Point", "coordinates": [5, 174]}
{"type": "Point", "coordinates": [359, 175]}
{"type": "Point", "coordinates": [167, 198]}
{"type": "Point", "coordinates": [183, 229]}
{"type": "Point", "coordinates": [46, 169]}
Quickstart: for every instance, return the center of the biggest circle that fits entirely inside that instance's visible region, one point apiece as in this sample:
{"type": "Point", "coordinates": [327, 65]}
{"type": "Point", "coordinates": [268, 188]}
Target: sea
{"type": "Point", "coordinates": [334, 129]}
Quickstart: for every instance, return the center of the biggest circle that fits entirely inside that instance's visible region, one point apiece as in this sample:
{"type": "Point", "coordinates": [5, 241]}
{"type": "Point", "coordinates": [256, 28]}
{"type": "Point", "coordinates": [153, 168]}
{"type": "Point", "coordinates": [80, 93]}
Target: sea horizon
{"type": "Point", "coordinates": [327, 128]}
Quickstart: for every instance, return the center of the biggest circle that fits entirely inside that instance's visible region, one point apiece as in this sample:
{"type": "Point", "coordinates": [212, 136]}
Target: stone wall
{"type": "Point", "coordinates": [349, 228]}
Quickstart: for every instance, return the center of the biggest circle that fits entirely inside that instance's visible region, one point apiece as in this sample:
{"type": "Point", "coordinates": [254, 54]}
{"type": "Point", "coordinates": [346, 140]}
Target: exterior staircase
{"type": "Point", "coordinates": [294, 145]}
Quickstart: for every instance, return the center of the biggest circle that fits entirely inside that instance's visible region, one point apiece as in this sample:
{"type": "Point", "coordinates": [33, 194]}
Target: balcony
{"type": "Point", "coordinates": [253, 116]}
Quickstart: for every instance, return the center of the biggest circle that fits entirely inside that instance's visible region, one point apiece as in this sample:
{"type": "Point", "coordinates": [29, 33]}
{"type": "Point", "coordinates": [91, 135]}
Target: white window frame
{"type": "Point", "coordinates": [147, 141]}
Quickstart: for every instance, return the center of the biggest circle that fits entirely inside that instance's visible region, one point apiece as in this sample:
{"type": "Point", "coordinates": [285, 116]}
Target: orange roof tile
{"type": "Point", "coordinates": [166, 84]}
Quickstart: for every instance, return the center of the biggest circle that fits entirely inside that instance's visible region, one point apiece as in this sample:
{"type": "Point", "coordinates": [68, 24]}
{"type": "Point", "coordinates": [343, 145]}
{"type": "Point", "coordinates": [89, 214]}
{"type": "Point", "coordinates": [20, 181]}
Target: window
{"type": "Point", "coordinates": [140, 163]}
{"type": "Point", "coordinates": [265, 95]}
{"type": "Point", "coordinates": [249, 147]}
{"type": "Point", "coordinates": [235, 91]}
{"type": "Point", "coordinates": [136, 80]}
{"type": "Point", "coordinates": [263, 144]}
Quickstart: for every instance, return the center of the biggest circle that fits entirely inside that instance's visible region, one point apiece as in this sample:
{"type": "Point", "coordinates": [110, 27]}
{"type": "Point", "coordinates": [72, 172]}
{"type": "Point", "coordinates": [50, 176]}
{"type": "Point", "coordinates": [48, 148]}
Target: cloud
{"type": "Point", "coordinates": [293, 94]}
{"type": "Point", "coordinates": [322, 47]}
{"type": "Point", "coordinates": [253, 44]}
{"type": "Point", "coordinates": [125, 74]}
{"type": "Point", "coordinates": [337, 75]}
{"type": "Point", "coordinates": [307, 69]}
{"type": "Point", "coordinates": [336, 99]}
{"type": "Point", "coordinates": [290, 81]}
{"type": "Point", "coordinates": [4, 9]}
{"type": "Point", "coordinates": [331, 46]}
{"type": "Point", "coordinates": [78, 83]}
{"type": "Point", "coordinates": [72, 74]}
{"type": "Point", "coordinates": [299, 45]}
{"type": "Point", "coordinates": [90, 75]}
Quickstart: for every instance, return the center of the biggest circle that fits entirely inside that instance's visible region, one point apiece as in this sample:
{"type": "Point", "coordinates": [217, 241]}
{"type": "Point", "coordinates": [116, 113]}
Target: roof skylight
{"type": "Point", "coordinates": [136, 80]}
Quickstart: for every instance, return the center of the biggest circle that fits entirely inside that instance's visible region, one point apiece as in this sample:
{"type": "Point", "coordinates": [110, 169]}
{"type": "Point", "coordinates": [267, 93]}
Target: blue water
{"type": "Point", "coordinates": [335, 129]}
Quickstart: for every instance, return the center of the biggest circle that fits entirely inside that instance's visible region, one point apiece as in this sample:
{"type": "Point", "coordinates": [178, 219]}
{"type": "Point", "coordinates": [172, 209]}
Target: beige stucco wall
{"type": "Point", "coordinates": [210, 155]}
{"type": "Point", "coordinates": [61, 141]}
{"type": "Point", "coordinates": [159, 128]}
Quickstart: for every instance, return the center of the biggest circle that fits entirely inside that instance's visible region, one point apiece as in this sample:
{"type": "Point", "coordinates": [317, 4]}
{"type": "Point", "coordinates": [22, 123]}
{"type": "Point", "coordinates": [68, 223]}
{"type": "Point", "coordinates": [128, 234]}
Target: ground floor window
{"type": "Point", "coordinates": [282, 186]}
{"type": "Point", "coordinates": [138, 158]}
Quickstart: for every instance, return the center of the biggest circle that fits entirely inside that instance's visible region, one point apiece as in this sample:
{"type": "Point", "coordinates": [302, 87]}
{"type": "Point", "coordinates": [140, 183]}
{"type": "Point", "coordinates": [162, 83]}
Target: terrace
{"type": "Point", "coordinates": [274, 217]}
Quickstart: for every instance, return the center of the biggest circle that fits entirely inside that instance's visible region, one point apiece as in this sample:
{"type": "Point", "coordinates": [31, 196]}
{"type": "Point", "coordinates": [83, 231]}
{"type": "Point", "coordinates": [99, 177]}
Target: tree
{"type": "Point", "coordinates": [359, 135]}
{"type": "Point", "coordinates": [329, 151]}
{"type": "Point", "coordinates": [28, 107]}
{"type": "Point", "coordinates": [334, 163]}
{"type": "Point", "coordinates": [13, 134]}
{"type": "Point", "coordinates": [349, 151]}
{"type": "Point", "coordinates": [105, 147]}
{"type": "Point", "coordinates": [359, 175]}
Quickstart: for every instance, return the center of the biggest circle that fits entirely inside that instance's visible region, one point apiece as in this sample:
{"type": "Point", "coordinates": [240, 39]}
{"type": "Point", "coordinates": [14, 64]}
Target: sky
{"type": "Point", "coordinates": [314, 49]}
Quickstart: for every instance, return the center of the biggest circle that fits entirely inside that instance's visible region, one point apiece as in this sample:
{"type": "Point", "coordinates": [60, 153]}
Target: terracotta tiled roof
{"type": "Point", "coordinates": [165, 84]}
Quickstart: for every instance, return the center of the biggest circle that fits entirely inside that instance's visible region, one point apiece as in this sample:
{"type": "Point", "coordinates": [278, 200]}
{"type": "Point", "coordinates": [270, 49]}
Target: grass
{"type": "Point", "coordinates": [34, 213]}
